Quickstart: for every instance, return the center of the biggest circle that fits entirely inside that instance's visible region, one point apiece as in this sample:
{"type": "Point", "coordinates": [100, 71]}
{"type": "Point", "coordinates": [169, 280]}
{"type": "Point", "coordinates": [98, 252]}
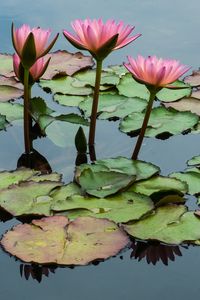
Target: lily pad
{"type": "Point", "coordinates": [12, 111]}
{"type": "Point", "coordinates": [56, 240]}
{"type": "Point", "coordinates": [173, 94]}
{"type": "Point", "coordinates": [123, 207]}
{"type": "Point", "coordinates": [88, 78]}
{"type": "Point", "coordinates": [194, 161]}
{"type": "Point", "coordinates": [131, 88]}
{"type": "Point", "coordinates": [39, 107]}
{"type": "Point", "coordinates": [64, 85]}
{"type": "Point", "coordinates": [28, 198]}
{"type": "Point", "coordinates": [194, 79]}
{"type": "Point", "coordinates": [68, 100]}
{"type": "Point", "coordinates": [159, 184]}
{"type": "Point", "coordinates": [6, 65]}
{"type": "Point", "coordinates": [161, 121]}
{"type": "Point", "coordinates": [169, 224]}
{"type": "Point", "coordinates": [9, 93]}
{"type": "Point", "coordinates": [66, 63]}
{"type": "Point", "coordinates": [191, 178]}
{"type": "Point", "coordinates": [113, 106]}
{"type": "Point", "coordinates": [8, 178]}
{"type": "Point", "coordinates": [186, 104]}
{"type": "Point", "coordinates": [3, 122]}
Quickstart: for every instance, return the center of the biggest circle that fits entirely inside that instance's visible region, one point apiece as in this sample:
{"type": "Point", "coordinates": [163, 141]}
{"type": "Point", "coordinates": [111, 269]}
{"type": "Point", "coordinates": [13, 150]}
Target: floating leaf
{"type": "Point", "coordinates": [64, 85]}
{"type": "Point", "coordinates": [9, 93]}
{"type": "Point", "coordinates": [161, 121]}
{"type": "Point", "coordinates": [158, 184]}
{"type": "Point", "coordinates": [131, 88]}
{"type": "Point", "coordinates": [55, 240]}
{"type": "Point", "coordinates": [28, 198]}
{"type": "Point", "coordinates": [194, 79]}
{"type": "Point", "coordinates": [3, 122]}
{"type": "Point", "coordinates": [194, 161]}
{"type": "Point", "coordinates": [169, 224]}
{"type": "Point", "coordinates": [6, 65]}
{"type": "Point", "coordinates": [119, 70]}
{"type": "Point", "coordinates": [123, 207]}
{"type": "Point", "coordinates": [68, 100]}
{"type": "Point", "coordinates": [173, 94]}
{"type": "Point", "coordinates": [12, 111]}
{"type": "Point", "coordinates": [8, 178]}
{"type": "Point", "coordinates": [101, 184]}
{"type": "Point", "coordinates": [113, 106]}
{"type": "Point", "coordinates": [191, 178]}
{"type": "Point", "coordinates": [88, 78]}
{"type": "Point", "coordinates": [186, 104]}
{"type": "Point", "coordinates": [65, 63]}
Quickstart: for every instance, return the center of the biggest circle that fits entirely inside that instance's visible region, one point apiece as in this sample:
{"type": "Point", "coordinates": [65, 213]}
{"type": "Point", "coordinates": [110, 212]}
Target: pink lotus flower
{"type": "Point", "coordinates": [93, 35]}
{"type": "Point", "coordinates": [41, 36]}
{"type": "Point", "coordinates": [36, 71]}
{"type": "Point", "coordinates": [155, 71]}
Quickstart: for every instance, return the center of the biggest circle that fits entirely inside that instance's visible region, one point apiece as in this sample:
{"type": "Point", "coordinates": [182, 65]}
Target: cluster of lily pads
{"type": "Point", "coordinates": [111, 201]}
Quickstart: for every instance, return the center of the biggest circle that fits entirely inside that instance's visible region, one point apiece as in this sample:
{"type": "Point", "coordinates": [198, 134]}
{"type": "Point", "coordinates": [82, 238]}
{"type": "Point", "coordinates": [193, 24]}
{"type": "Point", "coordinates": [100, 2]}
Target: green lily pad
{"type": "Point", "coordinates": [129, 87]}
{"type": "Point", "coordinates": [186, 104]}
{"type": "Point", "coordinates": [64, 85]}
{"type": "Point", "coordinates": [66, 63]}
{"type": "Point", "coordinates": [191, 178]}
{"type": "Point", "coordinates": [169, 224]}
{"type": "Point", "coordinates": [12, 111]}
{"type": "Point", "coordinates": [68, 100]}
{"type": "Point", "coordinates": [119, 70]}
{"type": "Point", "coordinates": [159, 184]}
{"type": "Point", "coordinates": [102, 184]}
{"type": "Point", "coordinates": [123, 207]}
{"type": "Point", "coordinates": [161, 121]}
{"type": "Point", "coordinates": [8, 178]}
{"type": "Point", "coordinates": [3, 122]}
{"type": "Point", "coordinates": [56, 240]}
{"type": "Point", "coordinates": [108, 176]}
{"type": "Point", "coordinates": [194, 161]}
{"type": "Point", "coordinates": [6, 65]}
{"type": "Point", "coordinates": [113, 106]}
{"type": "Point", "coordinates": [28, 198]}
{"type": "Point", "coordinates": [88, 78]}
{"type": "Point", "coordinates": [173, 94]}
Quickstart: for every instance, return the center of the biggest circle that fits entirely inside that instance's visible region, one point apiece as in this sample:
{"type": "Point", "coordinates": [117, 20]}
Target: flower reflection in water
{"type": "Point", "coordinates": [35, 271]}
{"type": "Point", "coordinates": [155, 252]}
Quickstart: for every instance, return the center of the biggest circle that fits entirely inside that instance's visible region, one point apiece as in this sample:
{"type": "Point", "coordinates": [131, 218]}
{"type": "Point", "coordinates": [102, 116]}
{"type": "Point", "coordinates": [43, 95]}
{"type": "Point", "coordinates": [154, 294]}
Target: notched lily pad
{"type": "Point", "coordinates": [113, 106]}
{"type": "Point", "coordinates": [55, 240]}
{"type": "Point", "coordinates": [66, 63]}
{"type": "Point", "coordinates": [170, 224]}
{"type": "Point", "coordinates": [123, 207]}
{"type": "Point", "coordinates": [186, 104]}
{"type": "Point", "coordinates": [194, 79]}
{"type": "Point", "coordinates": [161, 121]}
{"type": "Point", "coordinates": [6, 65]}
{"type": "Point", "coordinates": [12, 111]}
{"type": "Point", "coordinates": [106, 177]}
{"type": "Point", "coordinates": [191, 178]}
{"type": "Point", "coordinates": [173, 94]}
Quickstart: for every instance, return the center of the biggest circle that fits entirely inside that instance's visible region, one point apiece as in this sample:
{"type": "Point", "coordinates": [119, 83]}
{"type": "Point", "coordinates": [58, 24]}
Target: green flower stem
{"type": "Point", "coordinates": [95, 103]}
{"type": "Point", "coordinates": [27, 120]}
{"type": "Point", "coordinates": [138, 145]}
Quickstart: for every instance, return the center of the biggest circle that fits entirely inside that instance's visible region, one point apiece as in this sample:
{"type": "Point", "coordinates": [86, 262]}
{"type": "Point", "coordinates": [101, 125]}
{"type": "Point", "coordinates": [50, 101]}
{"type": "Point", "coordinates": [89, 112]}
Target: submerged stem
{"type": "Point", "coordinates": [27, 119]}
{"type": "Point", "coordinates": [95, 104]}
{"type": "Point", "coordinates": [145, 123]}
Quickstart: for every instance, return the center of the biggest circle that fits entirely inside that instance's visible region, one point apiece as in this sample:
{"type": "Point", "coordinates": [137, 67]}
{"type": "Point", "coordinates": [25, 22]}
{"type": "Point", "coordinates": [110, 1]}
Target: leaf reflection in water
{"type": "Point", "coordinates": [155, 252]}
{"type": "Point", "coordinates": [35, 271]}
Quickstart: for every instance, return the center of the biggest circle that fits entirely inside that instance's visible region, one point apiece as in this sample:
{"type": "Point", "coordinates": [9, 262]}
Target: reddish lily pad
{"type": "Point", "coordinates": [56, 240]}
{"type": "Point", "coordinates": [194, 79]}
{"type": "Point", "coordinates": [186, 104]}
{"type": "Point", "coordinates": [66, 63]}
{"type": "Point", "coordinates": [10, 89]}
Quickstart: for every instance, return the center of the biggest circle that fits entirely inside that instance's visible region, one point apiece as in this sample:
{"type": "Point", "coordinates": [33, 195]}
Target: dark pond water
{"type": "Point", "coordinates": [170, 29]}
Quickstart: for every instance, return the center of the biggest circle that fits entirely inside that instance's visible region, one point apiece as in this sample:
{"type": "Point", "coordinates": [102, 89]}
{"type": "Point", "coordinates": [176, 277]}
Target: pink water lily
{"type": "Point", "coordinates": [41, 37]}
{"type": "Point", "coordinates": [93, 35]}
{"type": "Point", "coordinates": [36, 71]}
{"type": "Point", "coordinates": [155, 71]}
